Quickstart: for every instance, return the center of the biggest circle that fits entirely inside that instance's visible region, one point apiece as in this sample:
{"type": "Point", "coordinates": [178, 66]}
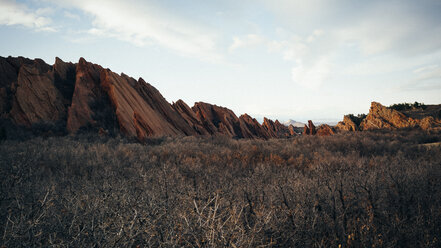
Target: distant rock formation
{"type": "Point", "coordinates": [347, 124]}
{"type": "Point", "coordinates": [275, 129]}
{"type": "Point", "coordinates": [325, 130]}
{"type": "Point", "coordinates": [87, 96]}
{"type": "Point", "coordinates": [309, 129]}
{"type": "Point", "coordinates": [381, 117]}
{"type": "Point", "coordinates": [322, 130]}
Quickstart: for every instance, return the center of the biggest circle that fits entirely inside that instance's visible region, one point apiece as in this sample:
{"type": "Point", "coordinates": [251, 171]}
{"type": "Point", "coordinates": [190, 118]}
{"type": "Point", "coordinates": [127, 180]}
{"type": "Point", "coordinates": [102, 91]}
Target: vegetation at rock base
{"type": "Point", "coordinates": [357, 119]}
{"type": "Point", "coordinates": [364, 189]}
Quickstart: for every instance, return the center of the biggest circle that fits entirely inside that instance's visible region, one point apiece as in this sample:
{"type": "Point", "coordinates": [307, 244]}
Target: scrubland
{"type": "Point", "coordinates": [362, 189]}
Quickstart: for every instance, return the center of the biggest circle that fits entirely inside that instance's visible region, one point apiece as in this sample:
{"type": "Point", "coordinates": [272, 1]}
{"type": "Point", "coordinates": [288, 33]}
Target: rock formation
{"type": "Point", "coordinates": [275, 129]}
{"type": "Point", "coordinates": [309, 129]}
{"type": "Point", "coordinates": [325, 130]}
{"type": "Point", "coordinates": [292, 130]}
{"type": "Point", "coordinates": [251, 128]}
{"type": "Point", "coordinates": [381, 117]}
{"type": "Point", "coordinates": [87, 96]}
{"type": "Point", "coordinates": [347, 124]}
{"type": "Point", "coordinates": [190, 117]}
{"type": "Point", "coordinates": [322, 130]}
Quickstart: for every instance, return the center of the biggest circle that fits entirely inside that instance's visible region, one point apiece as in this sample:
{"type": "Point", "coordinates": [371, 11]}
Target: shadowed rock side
{"type": "Point", "coordinates": [87, 96]}
{"type": "Point", "coordinates": [28, 93]}
{"type": "Point", "coordinates": [190, 117]}
{"type": "Point", "coordinates": [251, 127]}
{"type": "Point", "coordinates": [36, 97]}
{"type": "Point", "coordinates": [219, 120]}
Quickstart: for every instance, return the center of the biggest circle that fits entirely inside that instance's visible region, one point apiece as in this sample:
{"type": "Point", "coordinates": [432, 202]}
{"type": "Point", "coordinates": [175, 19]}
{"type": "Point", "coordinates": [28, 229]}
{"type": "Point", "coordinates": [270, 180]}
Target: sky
{"type": "Point", "coordinates": [283, 59]}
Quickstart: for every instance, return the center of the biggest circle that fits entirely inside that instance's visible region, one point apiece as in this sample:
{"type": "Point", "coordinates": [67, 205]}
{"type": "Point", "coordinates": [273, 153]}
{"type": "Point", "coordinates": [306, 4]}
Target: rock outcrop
{"type": "Point", "coordinates": [309, 129]}
{"type": "Point", "coordinates": [251, 128]}
{"type": "Point", "coordinates": [347, 124]}
{"type": "Point", "coordinates": [325, 130]}
{"type": "Point", "coordinates": [190, 117]}
{"type": "Point", "coordinates": [381, 117]}
{"type": "Point", "coordinates": [87, 96]}
{"type": "Point", "coordinates": [275, 129]}
{"type": "Point", "coordinates": [88, 99]}
{"type": "Point", "coordinates": [322, 130]}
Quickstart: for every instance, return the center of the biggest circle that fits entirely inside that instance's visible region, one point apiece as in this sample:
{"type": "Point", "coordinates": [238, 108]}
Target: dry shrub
{"type": "Point", "coordinates": [361, 189]}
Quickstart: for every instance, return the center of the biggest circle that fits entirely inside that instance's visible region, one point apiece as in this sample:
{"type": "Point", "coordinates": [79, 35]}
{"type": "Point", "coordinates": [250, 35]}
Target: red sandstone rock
{"type": "Point", "coordinates": [347, 124]}
{"type": "Point", "coordinates": [269, 126]}
{"type": "Point", "coordinates": [251, 128]}
{"type": "Point", "coordinates": [158, 103]}
{"type": "Point", "coordinates": [190, 117]}
{"type": "Point", "coordinates": [325, 130]}
{"type": "Point", "coordinates": [140, 109]}
{"type": "Point", "coordinates": [218, 120]}
{"type": "Point", "coordinates": [381, 117]}
{"type": "Point", "coordinates": [310, 129]}
{"type": "Point", "coordinates": [87, 94]}
{"type": "Point", "coordinates": [36, 98]}
{"type": "Point", "coordinates": [292, 130]}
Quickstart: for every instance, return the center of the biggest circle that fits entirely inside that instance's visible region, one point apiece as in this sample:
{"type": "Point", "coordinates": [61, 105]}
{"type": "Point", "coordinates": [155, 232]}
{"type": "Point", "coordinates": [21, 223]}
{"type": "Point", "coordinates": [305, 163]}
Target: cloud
{"type": "Point", "coordinates": [246, 41]}
{"type": "Point", "coordinates": [430, 72]}
{"type": "Point", "coordinates": [313, 75]}
{"type": "Point", "coordinates": [12, 13]}
{"type": "Point", "coordinates": [144, 23]}
{"type": "Point", "coordinates": [356, 38]}
{"type": "Point", "coordinates": [71, 15]}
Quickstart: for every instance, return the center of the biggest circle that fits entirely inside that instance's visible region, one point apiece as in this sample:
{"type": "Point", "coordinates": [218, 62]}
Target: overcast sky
{"type": "Point", "coordinates": [285, 59]}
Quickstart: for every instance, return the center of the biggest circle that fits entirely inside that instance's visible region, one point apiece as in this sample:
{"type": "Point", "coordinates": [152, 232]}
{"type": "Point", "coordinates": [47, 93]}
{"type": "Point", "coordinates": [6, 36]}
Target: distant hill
{"type": "Point", "coordinates": [294, 123]}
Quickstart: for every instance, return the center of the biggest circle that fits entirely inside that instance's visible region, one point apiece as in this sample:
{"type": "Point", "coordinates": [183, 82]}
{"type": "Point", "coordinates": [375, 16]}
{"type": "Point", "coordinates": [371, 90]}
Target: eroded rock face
{"type": "Point", "coordinates": [309, 129]}
{"type": "Point", "coordinates": [165, 110]}
{"type": "Point", "coordinates": [140, 109]}
{"type": "Point", "coordinates": [190, 117]}
{"type": "Point", "coordinates": [381, 117]}
{"type": "Point", "coordinates": [64, 79]}
{"type": "Point", "coordinates": [251, 128]}
{"type": "Point", "coordinates": [292, 130]}
{"type": "Point", "coordinates": [36, 98]}
{"type": "Point", "coordinates": [325, 130]}
{"type": "Point", "coordinates": [347, 124]}
{"type": "Point", "coordinates": [218, 120]}
{"type": "Point", "coordinates": [87, 98]}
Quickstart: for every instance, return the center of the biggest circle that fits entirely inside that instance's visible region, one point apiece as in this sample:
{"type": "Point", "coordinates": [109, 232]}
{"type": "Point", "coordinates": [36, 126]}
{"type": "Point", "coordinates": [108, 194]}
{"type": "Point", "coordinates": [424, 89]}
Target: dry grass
{"type": "Point", "coordinates": [358, 189]}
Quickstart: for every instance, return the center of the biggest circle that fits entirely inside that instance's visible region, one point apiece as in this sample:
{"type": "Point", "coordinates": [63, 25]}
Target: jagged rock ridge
{"type": "Point", "coordinates": [86, 96]}
{"type": "Point", "coordinates": [381, 117]}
